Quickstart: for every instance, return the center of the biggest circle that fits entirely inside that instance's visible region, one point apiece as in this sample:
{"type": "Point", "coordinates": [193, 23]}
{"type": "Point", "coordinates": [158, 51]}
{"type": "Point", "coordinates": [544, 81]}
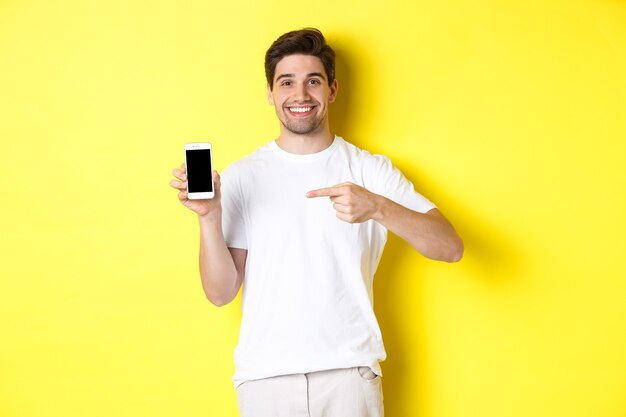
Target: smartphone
{"type": "Point", "coordinates": [199, 162]}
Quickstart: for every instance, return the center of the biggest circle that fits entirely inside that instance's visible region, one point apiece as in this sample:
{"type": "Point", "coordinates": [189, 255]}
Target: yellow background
{"type": "Point", "coordinates": [511, 116]}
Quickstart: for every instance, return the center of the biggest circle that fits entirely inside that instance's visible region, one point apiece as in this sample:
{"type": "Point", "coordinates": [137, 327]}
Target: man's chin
{"type": "Point", "coordinates": [302, 129]}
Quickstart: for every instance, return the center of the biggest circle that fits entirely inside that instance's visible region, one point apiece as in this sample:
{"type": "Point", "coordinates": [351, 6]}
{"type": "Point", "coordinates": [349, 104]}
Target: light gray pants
{"type": "Point", "coordinates": [350, 392]}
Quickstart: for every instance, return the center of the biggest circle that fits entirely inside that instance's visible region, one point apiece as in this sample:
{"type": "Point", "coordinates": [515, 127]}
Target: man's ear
{"type": "Point", "coordinates": [334, 86]}
{"type": "Point", "coordinates": [270, 97]}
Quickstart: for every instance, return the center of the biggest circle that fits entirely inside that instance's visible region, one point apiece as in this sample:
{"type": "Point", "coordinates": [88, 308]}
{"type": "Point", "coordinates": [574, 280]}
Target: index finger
{"type": "Point", "coordinates": [180, 174]}
{"type": "Point", "coordinates": [324, 192]}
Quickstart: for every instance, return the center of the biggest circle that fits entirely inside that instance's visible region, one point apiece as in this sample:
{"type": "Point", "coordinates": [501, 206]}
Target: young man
{"type": "Point", "coordinates": [302, 223]}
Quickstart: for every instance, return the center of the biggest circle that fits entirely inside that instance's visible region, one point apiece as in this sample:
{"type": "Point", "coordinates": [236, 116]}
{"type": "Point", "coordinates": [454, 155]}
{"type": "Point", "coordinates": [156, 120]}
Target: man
{"type": "Point", "coordinates": [302, 223]}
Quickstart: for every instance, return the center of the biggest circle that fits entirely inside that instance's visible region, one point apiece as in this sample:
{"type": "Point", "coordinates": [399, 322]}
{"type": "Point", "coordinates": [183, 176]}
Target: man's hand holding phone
{"type": "Point", "coordinates": [202, 207]}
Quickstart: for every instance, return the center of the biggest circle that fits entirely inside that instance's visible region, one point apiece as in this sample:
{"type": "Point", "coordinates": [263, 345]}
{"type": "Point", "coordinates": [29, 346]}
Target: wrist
{"type": "Point", "coordinates": [212, 217]}
{"type": "Point", "coordinates": [380, 208]}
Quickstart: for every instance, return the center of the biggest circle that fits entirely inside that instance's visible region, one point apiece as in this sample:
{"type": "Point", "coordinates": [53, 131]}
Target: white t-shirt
{"type": "Point", "coordinates": [307, 294]}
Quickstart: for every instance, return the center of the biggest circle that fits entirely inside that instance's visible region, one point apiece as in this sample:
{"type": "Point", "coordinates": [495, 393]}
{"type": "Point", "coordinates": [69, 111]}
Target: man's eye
{"type": "Point", "coordinates": [286, 83]}
{"type": "Point", "coordinates": [314, 81]}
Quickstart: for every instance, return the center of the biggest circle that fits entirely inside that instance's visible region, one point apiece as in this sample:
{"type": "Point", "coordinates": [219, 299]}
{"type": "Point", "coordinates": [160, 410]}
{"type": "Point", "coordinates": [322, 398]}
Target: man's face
{"type": "Point", "coordinates": [301, 94]}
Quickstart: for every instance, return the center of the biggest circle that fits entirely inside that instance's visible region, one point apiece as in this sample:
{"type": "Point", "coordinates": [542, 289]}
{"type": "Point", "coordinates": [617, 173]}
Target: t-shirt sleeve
{"type": "Point", "coordinates": [391, 183]}
{"type": "Point", "coordinates": [233, 224]}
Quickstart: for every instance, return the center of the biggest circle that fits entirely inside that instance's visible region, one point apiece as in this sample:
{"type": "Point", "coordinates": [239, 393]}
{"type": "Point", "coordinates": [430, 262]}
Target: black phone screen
{"type": "Point", "coordinates": [199, 170]}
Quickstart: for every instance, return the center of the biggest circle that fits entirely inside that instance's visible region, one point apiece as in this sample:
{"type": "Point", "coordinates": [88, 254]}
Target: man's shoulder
{"type": "Point", "coordinates": [249, 160]}
{"type": "Point", "coordinates": [363, 155]}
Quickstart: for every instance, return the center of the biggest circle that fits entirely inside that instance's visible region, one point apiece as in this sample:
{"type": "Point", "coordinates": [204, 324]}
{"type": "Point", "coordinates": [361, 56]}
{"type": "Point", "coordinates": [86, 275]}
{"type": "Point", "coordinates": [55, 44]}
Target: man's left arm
{"type": "Point", "coordinates": [430, 233]}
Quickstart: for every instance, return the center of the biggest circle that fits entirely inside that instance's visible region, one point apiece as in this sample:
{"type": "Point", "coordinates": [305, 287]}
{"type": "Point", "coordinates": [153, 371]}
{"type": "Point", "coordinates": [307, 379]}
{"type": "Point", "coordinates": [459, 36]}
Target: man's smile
{"type": "Point", "coordinates": [300, 111]}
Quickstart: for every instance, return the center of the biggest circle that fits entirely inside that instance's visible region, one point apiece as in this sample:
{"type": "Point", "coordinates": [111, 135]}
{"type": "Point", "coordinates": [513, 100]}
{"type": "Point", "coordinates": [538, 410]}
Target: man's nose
{"type": "Point", "coordinates": [302, 92]}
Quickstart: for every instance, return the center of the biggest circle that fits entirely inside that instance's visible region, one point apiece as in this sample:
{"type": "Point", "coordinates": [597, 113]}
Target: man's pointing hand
{"type": "Point", "coordinates": [354, 204]}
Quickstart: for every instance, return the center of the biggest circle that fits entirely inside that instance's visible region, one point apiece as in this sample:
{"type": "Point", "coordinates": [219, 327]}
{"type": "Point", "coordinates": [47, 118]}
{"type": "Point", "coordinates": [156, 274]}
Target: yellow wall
{"type": "Point", "coordinates": [511, 116]}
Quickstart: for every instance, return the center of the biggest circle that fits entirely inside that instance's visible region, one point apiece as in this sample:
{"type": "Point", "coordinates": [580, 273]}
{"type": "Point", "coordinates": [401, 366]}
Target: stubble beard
{"type": "Point", "coordinates": [300, 127]}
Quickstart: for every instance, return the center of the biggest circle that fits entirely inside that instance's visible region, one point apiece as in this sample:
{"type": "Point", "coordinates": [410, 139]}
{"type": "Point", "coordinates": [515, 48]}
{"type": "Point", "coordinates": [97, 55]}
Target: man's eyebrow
{"type": "Point", "coordinates": [285, 76]}
{"type": "Point", "coordinates": [310, 74]}
{"type": "Point", "coordinates": [316, 74]}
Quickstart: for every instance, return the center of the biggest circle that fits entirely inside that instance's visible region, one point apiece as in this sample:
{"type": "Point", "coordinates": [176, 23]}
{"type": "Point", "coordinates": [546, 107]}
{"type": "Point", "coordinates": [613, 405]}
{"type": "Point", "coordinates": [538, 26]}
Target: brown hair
{"type": "Point", "coordinates": [307, 41]}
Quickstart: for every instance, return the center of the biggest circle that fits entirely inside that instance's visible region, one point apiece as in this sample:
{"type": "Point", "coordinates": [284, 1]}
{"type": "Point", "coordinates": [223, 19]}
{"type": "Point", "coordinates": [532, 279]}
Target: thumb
{"type": "Point", "coordinates": [217, 183]}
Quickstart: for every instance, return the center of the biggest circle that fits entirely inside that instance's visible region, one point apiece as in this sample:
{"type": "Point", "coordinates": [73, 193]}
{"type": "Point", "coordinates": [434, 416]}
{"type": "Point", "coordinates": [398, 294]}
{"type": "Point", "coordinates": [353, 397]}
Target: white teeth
{"type": "Point", "coordinates": [300, 109]}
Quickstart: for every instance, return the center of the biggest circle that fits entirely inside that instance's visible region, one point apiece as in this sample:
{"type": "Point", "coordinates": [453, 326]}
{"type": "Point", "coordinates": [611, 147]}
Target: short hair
{"type": "Point", "coordinates": [307, 41]}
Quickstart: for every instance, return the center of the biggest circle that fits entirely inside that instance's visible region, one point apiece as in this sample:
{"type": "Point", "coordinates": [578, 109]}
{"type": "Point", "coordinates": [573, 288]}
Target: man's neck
{"type": "Point", "coordinates": [305, 144]}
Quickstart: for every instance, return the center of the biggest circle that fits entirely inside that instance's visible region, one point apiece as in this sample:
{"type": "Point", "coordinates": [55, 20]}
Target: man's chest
{"type": "Point", "coordinates": [276, 205]}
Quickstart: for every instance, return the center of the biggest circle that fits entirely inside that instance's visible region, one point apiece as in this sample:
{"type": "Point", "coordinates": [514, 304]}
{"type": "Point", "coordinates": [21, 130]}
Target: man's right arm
{"type": "Point", "coordinates": [221, 268]}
